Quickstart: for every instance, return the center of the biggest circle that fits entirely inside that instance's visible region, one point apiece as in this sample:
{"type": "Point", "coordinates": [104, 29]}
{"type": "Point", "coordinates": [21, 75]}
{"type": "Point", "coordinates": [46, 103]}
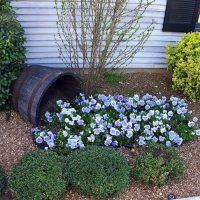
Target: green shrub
{"type": "Point", "coordinates": [38, 175]}
{"type": "Point", "coordinates": [158, 165]}
{"type": "Point", "coordinates": [12, 51]}
{"type": "Point", "coordinates": [184, 61]}
{"type": "Point", "coordinates": [98, 171]}
{"type": "Point", "coordinates": [2, 181]}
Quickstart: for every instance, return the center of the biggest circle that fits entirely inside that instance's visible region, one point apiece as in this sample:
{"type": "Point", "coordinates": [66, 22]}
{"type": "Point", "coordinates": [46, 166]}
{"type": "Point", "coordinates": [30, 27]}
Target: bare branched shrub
{"type": "Point", "coordinates": [98, 34]}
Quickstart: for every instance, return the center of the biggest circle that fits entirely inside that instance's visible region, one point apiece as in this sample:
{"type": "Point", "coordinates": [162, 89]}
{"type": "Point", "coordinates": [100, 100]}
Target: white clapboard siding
{"type": "Point", "coordinates": [38, 17]}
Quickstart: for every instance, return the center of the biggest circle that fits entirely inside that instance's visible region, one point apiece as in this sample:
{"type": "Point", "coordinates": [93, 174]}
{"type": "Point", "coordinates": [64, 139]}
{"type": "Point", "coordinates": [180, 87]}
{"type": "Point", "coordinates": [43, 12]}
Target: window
{"type": "Point", "coordinates": [181, 15]}
{"type": "Point", "coordinates": [197, 28]}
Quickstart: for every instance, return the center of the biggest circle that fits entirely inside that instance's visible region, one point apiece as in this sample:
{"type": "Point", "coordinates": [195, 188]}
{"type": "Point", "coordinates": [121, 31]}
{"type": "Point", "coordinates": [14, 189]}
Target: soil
{"type": "Point", "coordinates": [16, 140]}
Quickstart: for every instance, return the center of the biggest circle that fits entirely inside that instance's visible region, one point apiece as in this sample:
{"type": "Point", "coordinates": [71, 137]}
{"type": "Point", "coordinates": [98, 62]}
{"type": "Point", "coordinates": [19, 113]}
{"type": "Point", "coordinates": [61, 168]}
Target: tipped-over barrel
{"type": "Point", "coordinates": [39, 87]}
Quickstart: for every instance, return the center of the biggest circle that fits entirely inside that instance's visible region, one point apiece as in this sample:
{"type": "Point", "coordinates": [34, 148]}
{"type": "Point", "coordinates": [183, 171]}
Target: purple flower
{"type": "Point", "coordinates": [161, 139]}
{"type": "Point", "coordinates": [85, 110]}
{"type": "Point", "coordinates": [115, 143]}
{"type": "Point", "coordinates": [158, 102]}
{"type": "Point", "coordinates": [137, 127]}
{"type": "Point", "coordinates": [155, 139]}
{"type": "Point", "coordinates": [168, 144]}
{"type": "Point", "coordinates": [109, 125]}
{"type": "Point", "coordinates": [107, 103]}
{"type": "Point", "coordinates": [191, 124]}
{"type": "Point", "coordinates": [195, 119]}
{"type": "Point", "coordinates": [142, 102]}
{"type": "Point", "coordinates": [60, 116]}
{"type": "Point", "coordinates": [50, 143]}
{"type": "Point", "coordinates": [147, 107]}
{"type": "Point", "coordinates": [178, 140]}
{"type": "Point", "coordinates": [120, 98]}
{"type": "Point", "coordinates": [174, 103]}
{"type": "Point", "coordinates": [93, 101]}
{"type": "Point", "coordinates": [197, 132]}
{"type": "Point", "coordinates": [129, 133]}
{"type": "Point", "coordinates": [42, 134]}
{"type": "Point", "coordinates": [108, 141]}
{"type": "Point", "coordinates": [98, 106]}
{"type": "Point", "coordinates": [145, 118]}
{"type": "Point", "coordinates": [35, 130]}
{"type": "Point", "coordinates": [65, 105]}
{"type": "Point", "coordinates": [141, 141]}
{"type": "Point", "coordinates": [112, 131]}
{"type": "Point", "coordinates": [152, 104]}
{"type": "Point", "coordinates": [47, 114]}
{"type": "Point", "coordinates": [48, 117]}
{"type": "Point", "coordinates": [39, 140]}
{"type": "Point", "coordinates": [97, 131]}
{"type": "Point", "coordinates": [80, 122]}
{"type": "Point", "coordinates": [128, 106]}
{"type": "Point", "coordinates": [46, 138]}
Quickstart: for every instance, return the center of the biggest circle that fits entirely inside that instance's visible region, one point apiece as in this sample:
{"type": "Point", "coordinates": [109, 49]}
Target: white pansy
{"type": "Point", "coordinates": [67, 128]}
{"type": "Point", "coordinates": [71, 123]}
{"type": "Point", "coordinates": [139, 118]}
{"type": "Point", "coordinates": [66, 120]}
{"type": "Point", "coordinates": [59, 102]}
{"type": "Point", "coordinates": [65, 133]}
{"type": "Point", "coordinates": [155, 123]}
{"type": "Point", "coordinates": [163, 130]}
{"type": "Point", "coordinates": [91, 138]}
{"type": "Point", "coordinates": [129, 133]}
{"type": "Point", "coordinates": [164, 116]}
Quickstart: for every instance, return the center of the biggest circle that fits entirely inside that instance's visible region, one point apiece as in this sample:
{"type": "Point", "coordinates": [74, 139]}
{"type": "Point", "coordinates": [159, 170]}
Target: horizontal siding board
{"type": "Point", "coordinates": [132, 65]}
{"type": "Point", "coordinates": [52, 11]}
{"type": "Point", "coordinates": [38, 17]}
{"type": "Point", "coordinates": [52, 31]}
{"type": "Point", "coordinates": [55, 49]}
{"type": "Point", "coordinates": [50, 3]}
{"type": "Point", "coordinates": [53, 15]}
{"type": "Point", "coordinates": [53, 43]}
{"type": "Point", "coordinates": [56, 55]}
{"type": "Point", "coordinates": [51, 37]}
{"type": "Point", "coordinates": [52, 24]}
{"type": "Point", "coordinates": [58, 60]}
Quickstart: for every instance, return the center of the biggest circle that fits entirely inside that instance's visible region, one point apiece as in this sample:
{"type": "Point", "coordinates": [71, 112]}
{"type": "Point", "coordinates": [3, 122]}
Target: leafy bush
{"type": "Point", "coordinates": [12, 51]}
{"type": "Point", "coordinates": [38, 175]}
{"type": "Point", "coordinates": [2, 180]}
{"type": "Point", "coordinates": [117, 120]}
{"type": "Point", "coordinates": [98, 171]}
{"type": "Point", "coordinates": [184, 61]}
{"type": "Point", "coordinates": [158, 165]}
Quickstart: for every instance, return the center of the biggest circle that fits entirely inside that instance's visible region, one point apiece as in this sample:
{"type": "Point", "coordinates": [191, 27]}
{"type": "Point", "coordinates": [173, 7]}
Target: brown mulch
{"type": "Point", "coordinates": [16, 140]}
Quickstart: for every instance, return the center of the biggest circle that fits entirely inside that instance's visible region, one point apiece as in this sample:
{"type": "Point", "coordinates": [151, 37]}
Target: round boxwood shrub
{"type": "Point", "coordinates": [184, 61]}
{"type": "Point", "coordinates": [98, 171]}
{"type": "Point", "coordinates": [38, 175]}
{"type": "Point", "coordinates": [12, 50]}
{"type": "Point", "coordinates": [158, 165]}
{"type": "Point", "coordinates": [2, 181]}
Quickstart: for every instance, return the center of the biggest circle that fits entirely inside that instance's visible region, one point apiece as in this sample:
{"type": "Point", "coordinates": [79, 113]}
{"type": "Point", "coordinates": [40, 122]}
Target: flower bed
{"type": "Point", "coordinates": [117, 120]}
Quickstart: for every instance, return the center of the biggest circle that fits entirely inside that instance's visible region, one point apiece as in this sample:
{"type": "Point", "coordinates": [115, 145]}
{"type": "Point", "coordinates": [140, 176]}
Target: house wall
{"type": "Point", "coordinates": [38, 17]}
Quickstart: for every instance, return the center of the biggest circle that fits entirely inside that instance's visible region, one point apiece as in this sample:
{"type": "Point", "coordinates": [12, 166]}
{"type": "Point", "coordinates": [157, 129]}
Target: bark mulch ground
{"type": "Point", "coordinates": [16, 140]}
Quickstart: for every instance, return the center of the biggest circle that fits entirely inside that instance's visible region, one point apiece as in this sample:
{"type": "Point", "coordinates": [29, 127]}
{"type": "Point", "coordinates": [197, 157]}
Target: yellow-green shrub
{"type": "Point", "coordinates": [184, 61]}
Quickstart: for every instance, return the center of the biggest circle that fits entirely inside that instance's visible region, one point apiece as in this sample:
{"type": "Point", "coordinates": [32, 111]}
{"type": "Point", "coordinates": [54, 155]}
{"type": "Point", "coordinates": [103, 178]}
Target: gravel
{"type": "Point", "coordinates": [16, 140]}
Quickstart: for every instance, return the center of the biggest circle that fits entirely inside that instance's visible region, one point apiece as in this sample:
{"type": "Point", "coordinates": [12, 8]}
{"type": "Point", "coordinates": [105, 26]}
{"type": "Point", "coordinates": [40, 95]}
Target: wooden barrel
{"type": "Point", "coordinates": [40, 86]}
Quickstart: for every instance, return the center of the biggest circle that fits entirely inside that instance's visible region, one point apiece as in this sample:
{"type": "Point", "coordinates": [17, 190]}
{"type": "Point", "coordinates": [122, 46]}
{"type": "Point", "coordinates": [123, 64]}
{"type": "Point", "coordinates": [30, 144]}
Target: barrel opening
{"type": "Point", "coordinates": [65, 87]}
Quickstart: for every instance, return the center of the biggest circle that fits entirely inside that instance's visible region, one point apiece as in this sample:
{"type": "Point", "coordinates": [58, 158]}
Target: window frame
{"type": "Point", "coordinates": [197, 27]}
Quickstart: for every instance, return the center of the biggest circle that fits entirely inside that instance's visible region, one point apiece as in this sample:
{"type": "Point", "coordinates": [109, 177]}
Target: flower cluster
{"type": "Point", "coordinates": [118, 120]}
